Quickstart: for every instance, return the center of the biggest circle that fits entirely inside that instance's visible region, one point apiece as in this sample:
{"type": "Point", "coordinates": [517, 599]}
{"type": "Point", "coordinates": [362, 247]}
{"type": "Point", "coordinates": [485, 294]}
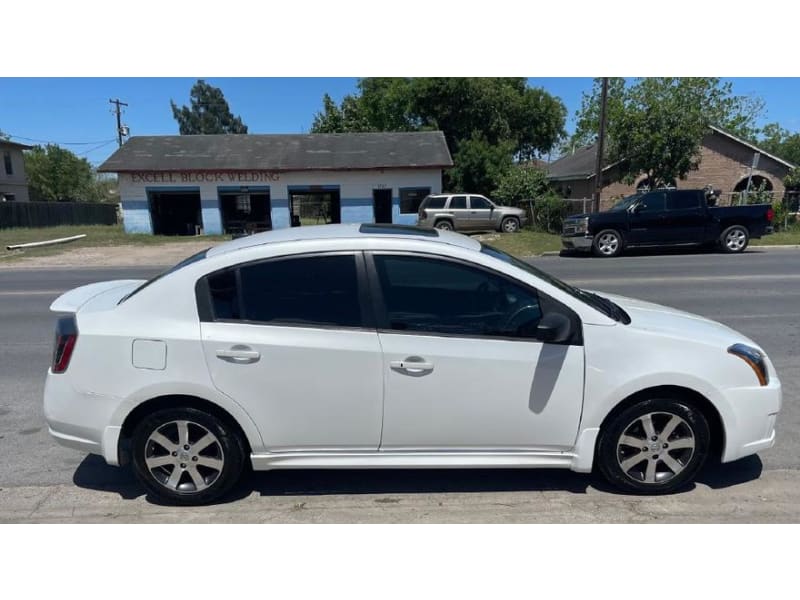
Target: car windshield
{"type": "Point", "coordinates": [185, 262]}
{"type": "Point", "coordinates": [626, 202]}
{"type": "Point", "coordinates": [604, 305]}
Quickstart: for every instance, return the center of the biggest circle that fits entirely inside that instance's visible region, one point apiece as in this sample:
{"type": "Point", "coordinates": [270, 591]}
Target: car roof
{"type": "Point", "coordinates": [354, 231]}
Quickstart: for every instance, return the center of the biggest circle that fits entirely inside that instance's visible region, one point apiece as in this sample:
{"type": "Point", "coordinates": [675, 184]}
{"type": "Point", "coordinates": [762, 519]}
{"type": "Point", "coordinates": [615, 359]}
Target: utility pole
{"type": "Point", "coordinates": [601, 139]}
{"type": "Point", "coordinates": [118, 103]}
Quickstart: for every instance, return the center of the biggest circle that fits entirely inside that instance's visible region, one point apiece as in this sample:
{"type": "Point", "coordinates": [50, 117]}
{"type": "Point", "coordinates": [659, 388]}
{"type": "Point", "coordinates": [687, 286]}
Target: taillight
{"type": "Point", "coordinates": [66, 338]}
{"type": "Point", "coordinates": [770, 214]}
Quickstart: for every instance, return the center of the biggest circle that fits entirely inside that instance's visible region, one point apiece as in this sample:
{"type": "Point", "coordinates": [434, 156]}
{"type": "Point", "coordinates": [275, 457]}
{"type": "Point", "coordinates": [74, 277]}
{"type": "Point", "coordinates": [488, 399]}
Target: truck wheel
{"type": "Point", "coordinates": [444, 225]}
{"type": "Point", "coordinates": [734, 239]}
{"type": "Point", "coordinates": [607, 244]}
{"type": "Point", "coordinates": [509, 225]}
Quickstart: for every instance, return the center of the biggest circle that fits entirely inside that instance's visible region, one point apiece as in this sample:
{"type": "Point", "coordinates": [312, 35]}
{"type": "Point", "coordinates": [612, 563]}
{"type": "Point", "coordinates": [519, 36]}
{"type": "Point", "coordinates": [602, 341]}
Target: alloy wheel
{"type": "Point", "coordinates": [510, 226]}
{"type": "Point", "coordinates": [608, 244]}
{"type": "Point", "coordinates": [736, 240]}
{"type": "Point", "coordinates": [184, 456]}
{"type": "Point", "coordinates": [655, 447]}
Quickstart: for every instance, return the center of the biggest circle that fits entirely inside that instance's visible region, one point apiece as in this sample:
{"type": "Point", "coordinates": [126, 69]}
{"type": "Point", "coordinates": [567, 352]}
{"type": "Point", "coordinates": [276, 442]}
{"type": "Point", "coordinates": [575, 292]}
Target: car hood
{"type": "Point", "coordinates": [647, 316]}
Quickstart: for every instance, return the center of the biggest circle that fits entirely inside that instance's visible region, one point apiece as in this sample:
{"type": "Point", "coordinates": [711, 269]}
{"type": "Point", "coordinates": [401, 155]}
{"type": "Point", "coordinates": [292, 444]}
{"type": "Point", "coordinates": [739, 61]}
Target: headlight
{"type": "Point", "coordinates": [754, 358]}
{"type": "Point", "coordinates": [582, 225]}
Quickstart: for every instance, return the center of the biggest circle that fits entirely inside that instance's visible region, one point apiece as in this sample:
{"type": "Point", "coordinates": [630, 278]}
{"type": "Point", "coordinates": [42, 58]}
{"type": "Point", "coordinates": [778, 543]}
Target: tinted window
{"type": "Point", "coordinates": [683, 200]}
{"type": "Point", "coordinates": [317, 290]}
{"type": "Point", "coordinates": [434, 202]}
{"type": "Point", "coordinates": [411, 198]}
{"type": "Point", "coordinates": [8, 165]}
{"type": "Point", "coordinates": [457, 202]}
{"type": "Point", "coordinates": [478, 202]}
{"type": "Point", "coordinates": [653, 202]}
{"type": "Point", "coordinates": [438, 296]}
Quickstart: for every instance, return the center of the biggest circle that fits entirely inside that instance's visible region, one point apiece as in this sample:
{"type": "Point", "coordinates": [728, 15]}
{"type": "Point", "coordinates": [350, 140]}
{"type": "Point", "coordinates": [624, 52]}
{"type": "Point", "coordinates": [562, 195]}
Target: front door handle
{"type": "Point", "coordinates": [240, 355]}
{"type": "Point", "coordinates": [413, 365]}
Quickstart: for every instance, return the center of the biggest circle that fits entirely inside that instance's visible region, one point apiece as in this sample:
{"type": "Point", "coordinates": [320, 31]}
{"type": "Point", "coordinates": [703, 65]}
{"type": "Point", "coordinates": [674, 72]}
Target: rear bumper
{"type": "Point", "coordinates": [577, 242]}
{"type": "Point", "coordinates": [80, 420]}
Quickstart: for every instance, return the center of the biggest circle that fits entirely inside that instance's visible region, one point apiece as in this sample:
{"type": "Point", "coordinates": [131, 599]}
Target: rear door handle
{"type": "Point", "coordinates": [240, 355]}
{"type": "Point", "coordinates": [411, 367]}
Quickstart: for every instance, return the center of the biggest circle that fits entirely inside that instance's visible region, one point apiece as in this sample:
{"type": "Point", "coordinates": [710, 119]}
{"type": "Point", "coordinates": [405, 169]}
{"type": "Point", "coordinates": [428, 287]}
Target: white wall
{"type": "Point", "coordinates": [355, 190]}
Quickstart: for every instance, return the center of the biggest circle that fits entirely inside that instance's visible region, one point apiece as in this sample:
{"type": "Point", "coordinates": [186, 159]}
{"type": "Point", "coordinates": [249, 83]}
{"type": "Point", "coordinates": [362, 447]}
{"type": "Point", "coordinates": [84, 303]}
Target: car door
{"type": "Point", "coordinates": [686, 217]}
{"type": "Point", "coordinates": [648, 220]}
{"type": "Point", "coordinates": [457, 208]}
{"type": "Point", "coordinates": [480, 213]}
{"type": "Point", "coordinates": [460, 373]}
{"type": "Point", "coordinates": [289, 340]}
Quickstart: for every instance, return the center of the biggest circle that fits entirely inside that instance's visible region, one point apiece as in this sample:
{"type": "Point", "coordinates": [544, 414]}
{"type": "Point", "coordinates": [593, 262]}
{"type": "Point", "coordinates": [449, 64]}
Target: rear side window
{"type": "Point", "coordinates": [310, 290]}
{"type": "Point", "coordinates": [683, 200]}
{"type": "Point", "coordinates": [457, 202]}
{"type": "Point", "coordinates": [435, 202]}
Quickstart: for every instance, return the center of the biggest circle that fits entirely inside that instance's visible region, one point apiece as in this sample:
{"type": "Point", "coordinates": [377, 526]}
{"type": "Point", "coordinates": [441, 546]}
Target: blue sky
{"type": "Point", "coordinates": [77, 110]}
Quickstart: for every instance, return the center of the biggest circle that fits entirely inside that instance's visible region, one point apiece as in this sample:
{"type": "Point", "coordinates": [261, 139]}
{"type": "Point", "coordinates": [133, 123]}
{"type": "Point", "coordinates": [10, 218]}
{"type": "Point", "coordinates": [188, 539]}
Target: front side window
{"type": "Point", "coordinates": [458, 203]}
{"type": "Point", "coordinates": [430, 295]}
{"type": "Point", "coordinates": [309, 290]}
{"type": "Point", "coordinates": [8, 165]}
{"type": "Point", "coordinates": [411, 198]}
{"type": "Point", "coordinates": [653, 202]}
{"type": "Point", "coordinates": [476, 203]}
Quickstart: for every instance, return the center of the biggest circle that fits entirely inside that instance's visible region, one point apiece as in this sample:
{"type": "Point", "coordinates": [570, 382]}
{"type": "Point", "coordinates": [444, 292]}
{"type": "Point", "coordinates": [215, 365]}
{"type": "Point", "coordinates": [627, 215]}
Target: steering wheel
{"type": "Point", "coordinates": [521, 310]}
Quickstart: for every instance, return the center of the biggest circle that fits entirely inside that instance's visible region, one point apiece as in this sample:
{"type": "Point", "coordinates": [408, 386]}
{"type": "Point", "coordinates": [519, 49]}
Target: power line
{"type": "Point", "coordinates": [85, 152]}
{"type": "Point", "coordinates": [27, 139]}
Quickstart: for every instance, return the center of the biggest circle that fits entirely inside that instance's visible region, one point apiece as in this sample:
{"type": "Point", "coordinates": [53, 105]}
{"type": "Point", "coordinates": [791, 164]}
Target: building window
{"type": "Point", "coordinates": [411, 198]}
{"type": "Point", "coordinates": [8, 198]}
{"type": "Point", "coordinates": [7, 161]}
{"type": "Point", "coordinates": [243, 203]}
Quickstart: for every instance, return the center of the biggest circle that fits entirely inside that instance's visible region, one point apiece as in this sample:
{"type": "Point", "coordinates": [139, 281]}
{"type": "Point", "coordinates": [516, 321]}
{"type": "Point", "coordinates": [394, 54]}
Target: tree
{"type": "Point", "coordinates": [487, 122]}
{"type": "Point", "coordinates": [781, 142]}
{"type": "Point", "coordinates": [4, 136]}
{"type": "Point", "coordinates": [208, 112]}
{"type": "Point", "coordinates": [656, 125]}
{"type": "Point", "coordinates": [522, 183]}
{"type": "Point", "coordinates": [55, 173]}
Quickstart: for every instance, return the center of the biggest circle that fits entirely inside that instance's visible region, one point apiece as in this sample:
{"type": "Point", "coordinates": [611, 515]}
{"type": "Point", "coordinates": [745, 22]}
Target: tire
{"type": "Point", "coordinates": [607, 244]}
{"type": "Point", "coordinates": [509, 225]}
{"type": "Point", "coordinates": [625, 438]}
{"type": "Point", "coordinates": [734, 239]}
{"type": "Point", "coordinates": [208, 472]}
{"type": "Point", "coordinates": [444, 225]}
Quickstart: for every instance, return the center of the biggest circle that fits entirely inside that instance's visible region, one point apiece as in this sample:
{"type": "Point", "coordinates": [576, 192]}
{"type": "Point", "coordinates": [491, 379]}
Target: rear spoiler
{"type": "Point", "coordinates": [111, 292]}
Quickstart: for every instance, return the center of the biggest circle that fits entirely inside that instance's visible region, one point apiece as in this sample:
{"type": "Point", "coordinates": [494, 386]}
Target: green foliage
{"type": "Point", "coordinates": [792, 180]}
{"type": "Point", "coordinates": [549, 212]}
{"type": "Point", "coordinates": [781, 142]}
{"type": "Point", "coordinates": [657, 124]}
{"type": "Point", "coordinates": [4, 136]}
{"type": "Point", "coordinates": [208, 112]}
{"type": "Point", "coordinates": [55, 173]}
{"type": "Point", "coordinates": [521, 183]}
{"type": "Point", "coordinates": [486, 121]}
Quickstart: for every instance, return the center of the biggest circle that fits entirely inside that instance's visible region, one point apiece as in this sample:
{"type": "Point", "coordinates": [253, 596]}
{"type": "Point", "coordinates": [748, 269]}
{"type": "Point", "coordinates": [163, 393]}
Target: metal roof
{"type": "Point", "coordinates": [281, 152]}
{"type": "Point", "coordinates": [9, 143]}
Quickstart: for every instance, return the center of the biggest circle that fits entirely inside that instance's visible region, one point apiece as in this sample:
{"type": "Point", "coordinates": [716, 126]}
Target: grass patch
{"type": "Point", "coordinates": [96, 236]}
{"type": "Point", "coordinates": [524, 243]}
{"type": "Point", "coordinates": [782, 238]}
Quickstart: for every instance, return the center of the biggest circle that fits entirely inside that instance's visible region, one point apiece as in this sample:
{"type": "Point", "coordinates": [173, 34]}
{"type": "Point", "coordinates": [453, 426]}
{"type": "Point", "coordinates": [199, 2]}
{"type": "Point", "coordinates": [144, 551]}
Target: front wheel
{"type": "Point", "coordinates": [734, 239]}
{"type": "Point", "coordinates": [186, 456]}
{"type": "Point", "coordinates": [607, 244]}
{"type": "Point", "coordinates": [509, 225]}
{"type": "Point", "coordinates": [654, 447]}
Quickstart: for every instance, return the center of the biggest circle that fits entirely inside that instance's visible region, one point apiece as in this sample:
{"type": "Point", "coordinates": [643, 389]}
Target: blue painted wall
{"type": "Point", "coordinates": [280, 213]}
{"type": "Point", "coordinates": [410, 219]}
{"type": "Point", "coordinates": [136, 216]}
{"type": "Point", "coordinates": [357, 210]}
{"type": "Point", "coordinates": [212, 216]}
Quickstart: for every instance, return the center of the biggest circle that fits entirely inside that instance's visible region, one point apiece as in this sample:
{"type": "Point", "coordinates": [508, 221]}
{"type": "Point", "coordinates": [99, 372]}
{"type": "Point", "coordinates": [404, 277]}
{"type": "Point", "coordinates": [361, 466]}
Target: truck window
{"type": "Point", "coordinates": [683, 200]}
{"type": "Point", "coordinates": [654, 201]}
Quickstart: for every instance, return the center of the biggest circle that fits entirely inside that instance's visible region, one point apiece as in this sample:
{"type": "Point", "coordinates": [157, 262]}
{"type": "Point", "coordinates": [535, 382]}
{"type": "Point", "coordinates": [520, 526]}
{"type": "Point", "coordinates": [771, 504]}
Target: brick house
{"type": "Point", "coordinates": [725, 162]}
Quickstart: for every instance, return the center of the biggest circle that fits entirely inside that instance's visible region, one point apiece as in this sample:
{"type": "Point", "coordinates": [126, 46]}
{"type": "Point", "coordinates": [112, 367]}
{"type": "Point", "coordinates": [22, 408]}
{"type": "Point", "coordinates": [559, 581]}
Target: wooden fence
{"type": "Point", "coordinates": [50, 214]}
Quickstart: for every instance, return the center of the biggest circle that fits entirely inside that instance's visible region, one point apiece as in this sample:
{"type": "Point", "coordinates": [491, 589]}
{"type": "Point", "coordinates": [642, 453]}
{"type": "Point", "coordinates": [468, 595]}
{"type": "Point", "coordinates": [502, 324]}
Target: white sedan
{"type": "Point", "coordinates": [372, 346]}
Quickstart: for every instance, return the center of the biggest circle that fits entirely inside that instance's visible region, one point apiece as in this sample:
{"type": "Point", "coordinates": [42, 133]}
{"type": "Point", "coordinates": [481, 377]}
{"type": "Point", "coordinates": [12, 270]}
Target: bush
{"type": "Point", "coordinates": [548, 213]}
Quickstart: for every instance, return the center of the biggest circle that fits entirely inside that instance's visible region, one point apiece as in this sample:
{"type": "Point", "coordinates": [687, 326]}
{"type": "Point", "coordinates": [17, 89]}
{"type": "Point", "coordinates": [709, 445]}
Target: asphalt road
{"type": "Point", "coordinates": [757, 293]}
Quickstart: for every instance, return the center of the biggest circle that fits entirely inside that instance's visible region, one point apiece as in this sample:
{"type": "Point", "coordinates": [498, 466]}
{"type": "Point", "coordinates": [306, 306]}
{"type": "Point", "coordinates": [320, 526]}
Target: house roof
{"type": "Point", "coordinates": [580, 164]}
{"type": "Point", "coordinates": [10, 144]}
{"type": "Point", "coordinates": [281, 152]}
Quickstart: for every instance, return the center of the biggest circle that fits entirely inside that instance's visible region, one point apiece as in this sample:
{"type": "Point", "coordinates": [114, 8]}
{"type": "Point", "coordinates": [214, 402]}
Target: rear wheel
{"type": "Point", "coordinates": [654, 447]}
{"type": "Point", "coordinates": [607, 243]}
{"type": "Point", "coordinates": [444, 226]}
{"type": "Point", "coordinates": [734, 239]}
{"type": "Point", "coordinates": [186, 456]}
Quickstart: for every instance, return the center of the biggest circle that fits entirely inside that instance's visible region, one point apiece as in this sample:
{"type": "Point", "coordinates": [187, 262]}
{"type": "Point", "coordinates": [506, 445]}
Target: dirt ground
{"type": "Point", "coordinates": [111, 256]}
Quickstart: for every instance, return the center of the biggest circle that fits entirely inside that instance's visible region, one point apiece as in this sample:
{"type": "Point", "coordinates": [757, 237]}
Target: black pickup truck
{"type": "Point", "coordinates": [667, 217]}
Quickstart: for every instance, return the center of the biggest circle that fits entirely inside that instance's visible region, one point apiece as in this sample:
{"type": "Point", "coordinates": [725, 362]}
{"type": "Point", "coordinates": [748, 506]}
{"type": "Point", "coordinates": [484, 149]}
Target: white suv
{"type": "Point", "coordinates": [393, 347]}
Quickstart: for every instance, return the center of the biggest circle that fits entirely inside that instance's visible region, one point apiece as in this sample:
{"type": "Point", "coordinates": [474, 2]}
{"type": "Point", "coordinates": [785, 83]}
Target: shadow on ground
{"type": "Point", "coordinates": [665, 251]}
{"type": "Point", "coordinates": [94, 474]}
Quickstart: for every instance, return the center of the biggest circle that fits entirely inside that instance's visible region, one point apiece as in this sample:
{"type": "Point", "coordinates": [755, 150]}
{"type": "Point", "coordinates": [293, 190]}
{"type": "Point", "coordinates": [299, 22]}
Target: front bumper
{"type": "Point", "coordinates": [577, 242]}
{"type": "Point", "coordinates": [750, 426]}
{"type": "Point", "coordinates": [80, 420]}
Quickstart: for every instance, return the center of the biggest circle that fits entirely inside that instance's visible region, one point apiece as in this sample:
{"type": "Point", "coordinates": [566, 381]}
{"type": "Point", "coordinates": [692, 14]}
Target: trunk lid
{"type": "Point", "coordinates": [102, 296]}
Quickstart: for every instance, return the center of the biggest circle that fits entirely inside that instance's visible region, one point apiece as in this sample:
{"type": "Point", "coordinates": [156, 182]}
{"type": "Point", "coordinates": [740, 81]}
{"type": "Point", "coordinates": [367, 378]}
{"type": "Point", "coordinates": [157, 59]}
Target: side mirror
{"type": "Point", "coordinates": [554, 328]}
